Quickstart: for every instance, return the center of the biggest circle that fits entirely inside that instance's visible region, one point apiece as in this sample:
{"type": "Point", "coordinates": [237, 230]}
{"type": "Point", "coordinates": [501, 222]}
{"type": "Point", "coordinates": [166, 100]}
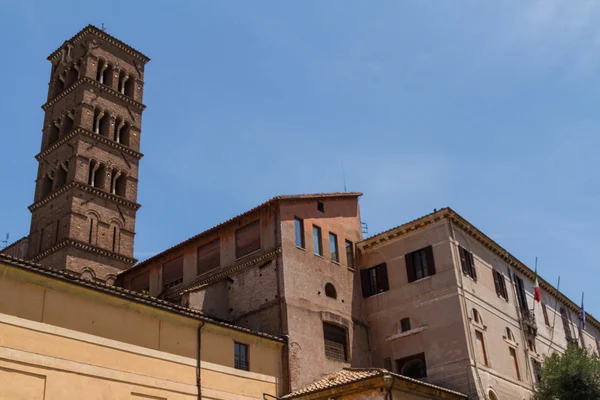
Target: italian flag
{"type": "Point", "coordinates": [537, 295]}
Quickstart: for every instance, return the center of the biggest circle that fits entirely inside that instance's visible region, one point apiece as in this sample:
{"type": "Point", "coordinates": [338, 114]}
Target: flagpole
{"type": "Point", "coordinates": [554, 319]}
{"type": "Point", "coordinates": [534, 299]}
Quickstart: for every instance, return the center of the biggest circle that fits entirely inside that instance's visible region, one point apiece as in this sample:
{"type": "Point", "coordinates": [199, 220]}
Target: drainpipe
{"type": "Point", "coordinates": [198, 362]}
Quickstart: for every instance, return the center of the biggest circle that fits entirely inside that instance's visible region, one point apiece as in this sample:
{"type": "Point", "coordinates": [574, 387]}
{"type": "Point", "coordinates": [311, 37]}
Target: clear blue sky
{"type": "Point", "coordinates": [490, 108]}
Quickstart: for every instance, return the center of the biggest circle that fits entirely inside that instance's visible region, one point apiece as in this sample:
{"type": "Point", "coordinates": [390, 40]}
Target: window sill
{"type": "Point", "coordinates": [406, 333]}
{"type": "Point", "coordinates": [502, 297]}
{"type": "Point", "coordinates": [301, 248]}
{"type": "Point", "coordinates": [470, 277]}
{"type": "Point", "coordinates": [335, 262]}
{"type": "Point", "coordinates": [318, 255]}
{"type": "Point", "coordinates": [422, 279]}
{"type": "Point", "coordinates": [510, 342]}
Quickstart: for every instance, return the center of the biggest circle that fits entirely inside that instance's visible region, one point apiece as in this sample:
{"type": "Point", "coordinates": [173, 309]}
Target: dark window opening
{"type": "Point", "coordinates": [320, 206]}
{"type": "Point", "coordinates": [68, 124]}
{"type": "Point", "coordinates": [173, 272]}
{"type": "Point", "coordinates": [57, 231]}
{"type": "Point", "coordinates": [413, 367]}
{"type": "Point", "coordinates": [46, 186]}
{"type": "Point", "coordinates": [59, 85]}
{"type": "Point", "coordinates": [545, 312]}
{"type": "Point", "coordinates": [330, 291]}
{"type": "Point", "coordinates": [123, 78]}
{"type": "Point", "coordinates": [521, 296]}
{"type": "Point", "coordinates": [72, 76]}
{"type": "Point", "coordinates": [335, 342]}
{"type": "Point", "coordinates": [566, 320]}
{"type": "Point", "coordinates": [91, 233]}
{"type": "Point", "coordinates": [299, 231]}
{"type": "Point", "coordinates": [130, 87]}
{"type": "Point", "coordinates": [140, 283]}
{"type": "Point", "coordinates": [537, 370]}
{"type": "Point", "coordinates": [333, 248]}
{"type": "Point", "coordinates": [405, 324]}
{"type": "Point", "coordinates": [467, 263]}
{"type": "Point", "coordinates": [54, 133]}
{"type": "Point", "coordinates": [98, 116]}
{"type": "Point", "coordinates": [209, 256]}
{"type": "Point", "coordinates": [104, 126]}
{"type": "Point", "coordinates": [61, 175]}
{"type": "Point", "coordinates": [349, 254]}
{"type": "Point", "coordinates": [99, 178]}
{"type": "Point", "coordinates": [500, 284]}
{"type": "Point", "coordinates": [477, 317]}
{"type": "Point", "coordinates": [247, 239]}
{"type": "Point", "coordinates": [420, 264]}
{"type": "Point", "coordinates": [114, 243]}
{"type": "Point", "coordinates": [317, 241]}
{"type": "Point", "coordinates": [241, 360]}
{"type": "Point", "coordinates": [121, 185]}
{"type": "Point", "coordinates": [374, 280]}
{"type": "Point", "coordinates": [41, 247]}
{"type": "Point", "coordinates": [513, 356]}
{"type": "Point", "coordinates": [123, 134]}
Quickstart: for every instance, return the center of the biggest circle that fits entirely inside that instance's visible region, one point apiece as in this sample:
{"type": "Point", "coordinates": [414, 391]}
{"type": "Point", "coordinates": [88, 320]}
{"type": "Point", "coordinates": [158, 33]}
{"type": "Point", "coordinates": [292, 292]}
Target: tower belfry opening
{"type": "Point", "coordinates": [86, 190]}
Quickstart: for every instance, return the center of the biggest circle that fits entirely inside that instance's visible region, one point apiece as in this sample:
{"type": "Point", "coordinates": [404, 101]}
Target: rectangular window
{"type": "Point", "coordinates": [566, 320]}
{"type": "Point", "coordinates": [140, 283]}
{"type": "Point", "coordinates": [241, 356]}
{"type": "Point", "coordinates": [467, 263]}
{"type": "Point", "coordinates": [349, 254]}
{"type": "Point", "coordinates": [317, 240]}
{"type": "Point", "coordinates": [335, 342]}
{"type": "Point", "coordinates": [247, 239]}
{"type": "Point", "coordinates": [537, 370]}
{"type": "Point", "coordinates": [374, 280]}
{"type": "Point", "coordinates": [513, 356]}
{"type": "Point", "coordinates": [500, 284]}
{"type": "Point", "coordinates": [420, 264]}
{"type": "Point", "coordinates": [545, 311]}
{"type": "Point", "coordinates": [522, 297]}
{"type": "Point", "coordinates": [208, 256]}
{"type": "Point", "coordinates": [333, 248]}
{"type": "Point", "coordinates": [320, 206]}
{"type": "Point", "coordinates": [413, 366]}
{"type": "Point", "coordinates": [299, 229]}
{"type": "Point", "coordinates": [482, 353]}
{"type": "Point", "coordinates": [405, 324]}
{"type": "Point", "coordinates": [173, 272]}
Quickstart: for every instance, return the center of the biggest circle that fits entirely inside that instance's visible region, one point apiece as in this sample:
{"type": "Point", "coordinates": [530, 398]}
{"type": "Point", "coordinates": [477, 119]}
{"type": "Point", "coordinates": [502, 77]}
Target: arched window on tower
{"type": "Point", "coordinates": [104, 126]}
{"type": "Point", "coordinates": [97, 174]}
{"type": "Point", "coordinates": [92, 228]}
{"type": "Point", "coordinates": [330, 291]}
{"type": "Point", "coordinates": [129, 87]}
{"type": "Point", "coordinates": [123, 78]}
{"type": "Point", "coordinates": [98, 116]}
{"type": "Point", "coordinates": [72, 76]}
{"type": "Point", "coordinates": [101, 73]}
{"type": "Point", "coordinates": [116, 233]}
{"type": "Point", "coordinates": [53, 132]}
{"type": "Point", "coordinates": [59, 85]}
{"type": "Point", "coordinates": [61, 174]}
{"type": "Point", "coordinates": [121, 185]}
{"type": "Point", "coordinates": [68, 123]}
{"type": "Point", "coordinates": [122, 135]}
{"type": "Point", "coordinates": [47, 183]}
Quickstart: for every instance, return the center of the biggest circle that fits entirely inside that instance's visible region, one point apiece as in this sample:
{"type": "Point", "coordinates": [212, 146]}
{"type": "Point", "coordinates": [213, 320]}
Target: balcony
{"type": "Point", "coordinates": [528, 320]}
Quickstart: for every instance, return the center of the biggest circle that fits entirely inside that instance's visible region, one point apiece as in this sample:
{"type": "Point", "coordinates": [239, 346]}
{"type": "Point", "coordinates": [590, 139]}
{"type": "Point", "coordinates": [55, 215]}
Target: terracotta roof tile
{"type": "Point", "coordinates": [351, 375]}
{"type": "Point", "coordinates": [127, 294]}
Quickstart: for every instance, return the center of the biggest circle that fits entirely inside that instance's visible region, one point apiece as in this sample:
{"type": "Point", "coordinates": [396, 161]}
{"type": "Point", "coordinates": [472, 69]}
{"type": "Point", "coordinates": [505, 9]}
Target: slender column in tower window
{"type": "Point", "coordinates": [299, 230]}
{"type": "Point", "coordinates": [333, 247]}
{"type": "Point", "coordinates": [97, 121]}
{"type": "Point", "coordinates": [120, 124]}
{"type": "Point", "coordinates": [114, 244]}
{"type": "Point", "coordinates": [317, 240]}
{"type": "Point", "coordinates": [91, 236]}
{"type": "Point", "coordinates": [113, 184]}
{"type": "Point", "coordinates": [349, 254]}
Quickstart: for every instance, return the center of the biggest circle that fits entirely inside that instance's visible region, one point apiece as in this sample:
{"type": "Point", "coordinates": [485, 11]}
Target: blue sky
{"type": "Point", "coordinates": [490, 108]}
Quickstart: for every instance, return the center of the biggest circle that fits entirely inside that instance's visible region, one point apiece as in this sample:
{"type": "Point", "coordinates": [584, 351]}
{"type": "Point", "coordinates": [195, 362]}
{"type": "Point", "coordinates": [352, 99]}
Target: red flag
{"type": "Point", "coordinates": [536, 287]}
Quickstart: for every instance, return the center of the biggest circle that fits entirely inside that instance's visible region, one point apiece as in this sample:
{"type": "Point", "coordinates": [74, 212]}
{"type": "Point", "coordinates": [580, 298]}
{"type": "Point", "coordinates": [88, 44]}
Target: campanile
{"type": "Point", "coordinates": [85, 203]}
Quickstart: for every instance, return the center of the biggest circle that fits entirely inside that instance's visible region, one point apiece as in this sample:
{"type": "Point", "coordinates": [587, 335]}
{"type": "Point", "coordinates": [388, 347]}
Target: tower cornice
{"type": "Point", "coordinates": [102, 88]}
{"type": "Point", "coordinates": [91, 29]}
{"type": "Point", "coordinates": [89, 189]}
{"type": "Point", "coordinates": [83, 246]}
{"type": "Point", "coordinates": [92, 135]}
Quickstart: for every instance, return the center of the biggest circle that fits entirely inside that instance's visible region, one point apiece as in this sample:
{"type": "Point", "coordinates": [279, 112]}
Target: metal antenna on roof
{"type": "Point", "coordinates": [103, 27]}
{"type": "Point", "coordinates": [344, 176]}
{"type": "Point", "coordinates": [5, 241]}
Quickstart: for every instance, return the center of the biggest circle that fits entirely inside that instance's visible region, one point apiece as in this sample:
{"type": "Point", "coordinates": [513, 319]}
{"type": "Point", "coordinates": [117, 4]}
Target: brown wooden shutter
{"type": "Point", "coordinates": [365, 283]}
{"type": "Point", "coordinates": [173, 271]}
{"type": "Point", "coordinates": [497, 283]}
{"type": "Point", "coordinates": [382, 278]}
{"type": "Point", "coordinates": [473, 270]}
{"type": "Point", "coordinates": [410, 268]}
{"type": "Point", "coordinates": [503, 282]}
{"type": "Point", "coordinates": [140, 282]}
{"type": "Point", "coordinates": [463, 260]}
{"type": "Point", "coordinates": [430, 261]}
{"type": "Point", "coordinates": [247, 239]}
{"type": "Point", "coordinates": [209, 256]}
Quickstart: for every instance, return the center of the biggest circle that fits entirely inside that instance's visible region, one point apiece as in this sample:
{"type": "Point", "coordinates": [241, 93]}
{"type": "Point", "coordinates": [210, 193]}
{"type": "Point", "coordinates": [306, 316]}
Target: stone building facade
{"type": "Point", "coordinates": [85, 202]}
{"type": "Point", "coordinates": [448, 305]}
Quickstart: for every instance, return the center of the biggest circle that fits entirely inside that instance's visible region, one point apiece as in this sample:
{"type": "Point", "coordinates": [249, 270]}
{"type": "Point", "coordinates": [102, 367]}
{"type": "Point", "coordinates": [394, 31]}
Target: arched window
{"type": "Point", "coordinates": [492, 395]}
{"type": "Point", "coordinates": [98, 116]}
{"type": "Point", "coordinates": [123, 78]}
{"type": "Point", "coordinates": [68, 123]}
{"type": "Point", "coordinates": [72, 75]}
{"type": "Point", "coordinates": [104, 125]}
{"type": "Point", "coordinates": [47, 182]}
{"type": "Point", "coordinates": [509, 335]}
{"type": "Point", "coordinates": [129, 87]}
{"type": "Point", "coordinates": [413, 366]}
{"type": "Point", "coordinates": [122, 128]}
{"type": "Point", "coordinates": [87, 274]}
{"type": "Point", "coordinates": [330, 291]}
{"type": "Point", "coordinates": [61, 174]}
{"type": "Point", "coordinates": [97, 174]}
{"type": "Point", "coordinates": [59, 85]}
{"type": "Point", "coordinates": [121, 185]}
{"type": "Point", "coordinates": [477, 317]}
{"type": "Point", "coordinates": [104, 72]}
{"type": "Point", "coordinates": [53, 132]}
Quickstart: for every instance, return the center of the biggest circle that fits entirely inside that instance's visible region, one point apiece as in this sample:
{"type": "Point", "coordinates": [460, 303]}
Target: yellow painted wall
{"type": "Point", "coordinates": [60, 340]}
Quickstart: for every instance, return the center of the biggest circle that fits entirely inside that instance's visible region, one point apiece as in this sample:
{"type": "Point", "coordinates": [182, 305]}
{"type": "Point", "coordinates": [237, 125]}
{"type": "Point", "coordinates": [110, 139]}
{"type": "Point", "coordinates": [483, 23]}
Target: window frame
{"type": "Point", "coordinates": [331, 334]}
{"type": "Point", "coordinates": [239, 250]}
{"type": "Point", "coordinates": [405, 325]}
{"type": "Point", "coordinates": [349, 247]}
{"type": "Point", "coordinates": [299, 233]}
{"type": "Point", "coordinates": [546, 316]}
{"type": "Point", "coordinates": [374, 280]}
{"type": "Point", "coordinates": [333, 239]}
{"type": "Point", "coordinates": [208, 246]}
{"type": "Point", "coordinates": [317, 240]}
{"type": "Point", "coordinates": [513, 355]}
{"type": "Point", "coordinates": [176, 282]}
{"type": "Point", "coordinates": [467, 263]}
{"type": "Point", "coordinates": [238, 362]}
{"type": "Point", "coordinates": [426, 270]}
{"type": "Point", "coordinates": [486, 360]}
{"type": "Point", "coordinates": [500, 284]}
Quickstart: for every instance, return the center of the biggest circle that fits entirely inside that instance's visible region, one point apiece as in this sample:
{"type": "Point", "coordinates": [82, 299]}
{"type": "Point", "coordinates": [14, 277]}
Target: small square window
{"type": "Point", "coordinates": [405, 324]}
{"type": "Point", "coordinates": [320, 206]}
{"type": "Point", "coordinates": [241, 356]}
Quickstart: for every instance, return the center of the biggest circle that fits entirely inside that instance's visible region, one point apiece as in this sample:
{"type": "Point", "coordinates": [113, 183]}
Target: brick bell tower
{"type": "Point", "coordinates": [83, 214]}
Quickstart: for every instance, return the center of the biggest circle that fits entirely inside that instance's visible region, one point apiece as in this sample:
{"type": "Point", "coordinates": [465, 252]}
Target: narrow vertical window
{"type": "Point", "coordinates": [91, 236]}
{"type": "Point", "coordinates": [467, 263]}
{"type": "Point", "coordinates": [56, 233]}
{"type": "Point", "coordinates": [299, 229]}
{"type": "Point", "coordinates": [114, 246]}
{"type": "Point", "coordinates": [241, 360]}
{"type": "Point", "coordinates": [545, 311]}
{"type": "Point", "coordinates": [41, 240]}
{"type": "Point", "coordinates": [482, 354]}
{"type": "Point", "coordinates": [349, 254]}
{"type": "Point", "coordinates": [513, 356]}
{"type": "Point", "coordinates": [333, 247]}
{"type": "Point", "coordinates": [317, 240]}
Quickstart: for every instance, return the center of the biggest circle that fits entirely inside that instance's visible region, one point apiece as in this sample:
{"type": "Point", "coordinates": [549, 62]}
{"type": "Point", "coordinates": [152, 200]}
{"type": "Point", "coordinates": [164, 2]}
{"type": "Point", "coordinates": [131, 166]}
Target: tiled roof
{"type": "Point", "coordinates": [150, 301]}
{"type": "Point", "coordinates": [103, 35]}
{"type": "Point", "coordinates": [266, 203]}
{"type": "Point", "coordinates": [351, 375]}
{"type": "Point", "coordinates": [470, 229]}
